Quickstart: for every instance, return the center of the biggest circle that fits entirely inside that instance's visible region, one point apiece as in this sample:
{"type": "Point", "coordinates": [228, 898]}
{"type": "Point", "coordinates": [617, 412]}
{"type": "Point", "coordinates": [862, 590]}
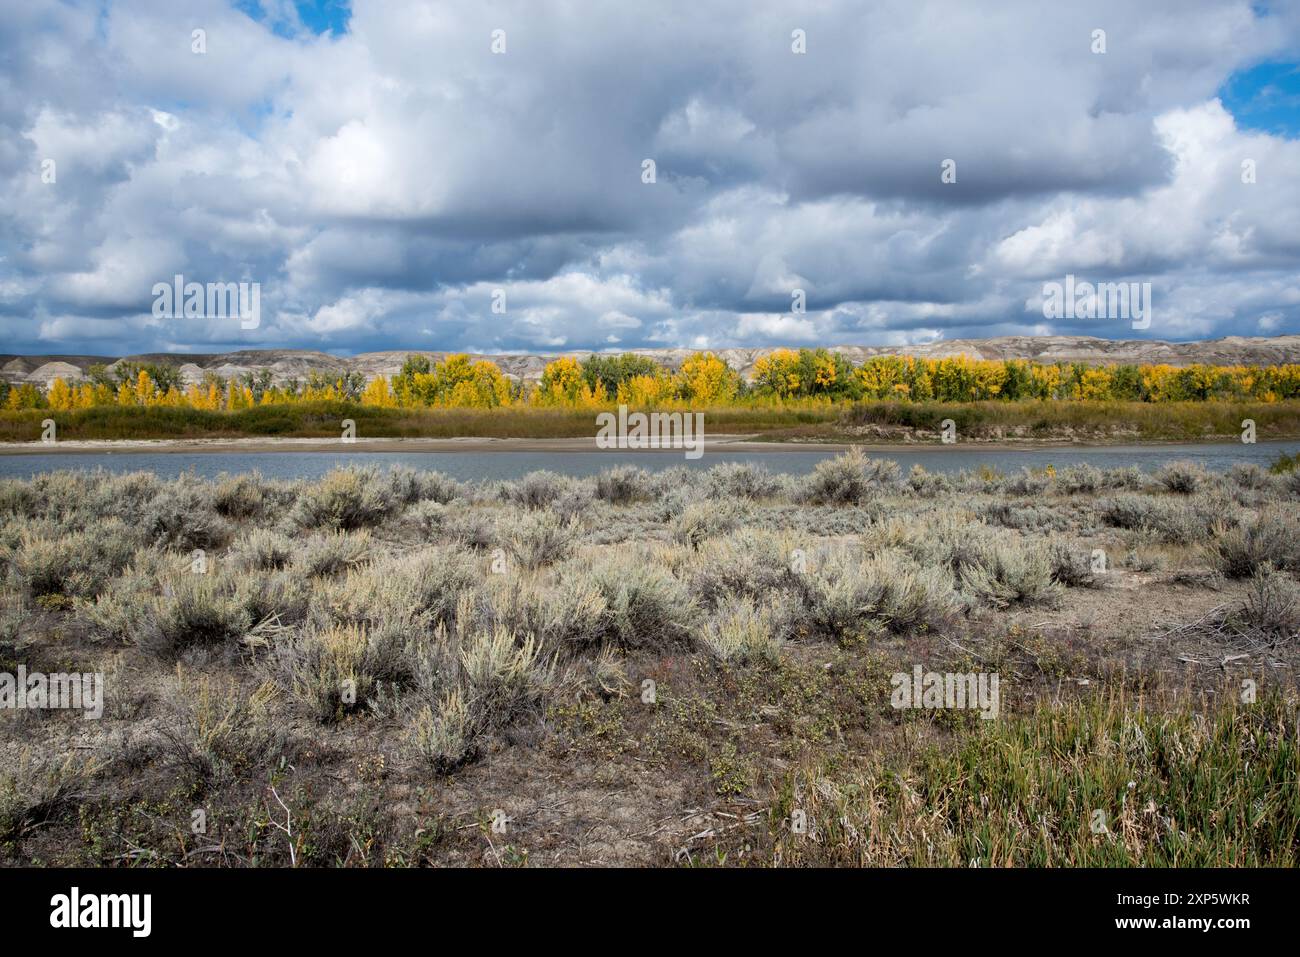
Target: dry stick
{"type": "Point", "coordinates": [287, 827]}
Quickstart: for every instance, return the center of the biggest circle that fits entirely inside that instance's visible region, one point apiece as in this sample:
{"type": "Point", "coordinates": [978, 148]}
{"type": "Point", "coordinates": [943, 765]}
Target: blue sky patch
{"type": "Point", "coordinates": [318, 16]}
{"type": "Point", "coordinates": [1266, 98]}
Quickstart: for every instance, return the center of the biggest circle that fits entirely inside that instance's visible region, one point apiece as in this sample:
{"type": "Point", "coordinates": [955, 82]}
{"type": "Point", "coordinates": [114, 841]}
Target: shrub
{"type": "Point", "coordinates": [214, 728]}
{"type": "Point", "coordinates": [574, 614]}
{"type": "Point", "coordinates": [848, 479]}
{"type": "Point", "coordinates": [193, 611]}
{"type": "Point", "coordinates": [731, 480]}
{"type": "Point", "coordinates": [855, 598]}
{"type": "Point", "coordinates": [239, 497]}
{"type": "Point", "coordinates": [409, 486]}
{"type": "Point", "coordinates": [470, 528]}
{"type": "Point", "coordinates": [1127, 477]}
{"type": "Point", "coordinates": [575, 503]}
{"type": "Point", "coordinates": [33, 784]}
{"type": "Point", "coordinates": [443, 734]}
{"type": "Point", "coordinates": [332, 553]}
{"type": "Point", "coordinates": [344, 500]}
{"type": "Point", "coordinates": [1273, 538]}
{"type": "Point", "coordinates": [276, 599]}
{"type": "Point", "coordinates": [1273, 603]}
{"type": "Point", "coordinates": [471, 684]}
{"type": "Point", "coordinates": [262, 549]}
{"type": "Point", "coordinates": [623, 484]}
{"type": "Point", "coordinates": [115, 614]}
{"type": "Point", "coordinates": [434, 578]}
{"type": "Point", "coordinates": [500, 674]}
{"type": "Point", "coordinates": [1010, 572]}
{"type": "Point", "coordinates": [702, 520]}
{"type": "Point", "coordinates": [1079, 478]}
{"type": "Point", "coordinates": [1072, 566]}
{"type": "Point", "coordinates": [1182, 478]}
{"type": "Point", "coordinates": [1175, 522]}
{"type": "Point", "coordinates": [18, 498]}
{"type": "Point", "coordinates": [78, 564]}
{"type": "Point", "coordinates": [401, 596]}
{"type": "Point", "coordinates": [1285, 464]}
{"type": "Point", "coordinates": [536, 490]}
{"type": "Point", "coordinates": [1247, 475]}
{"type": "Point", "coordinates": [332, 670]}
{"type": "Point", "coordinates": [646, 607]}
{"type": "Point", "coordinates": [749, 562]}
{"type": "Point", "coordinates": [1027, 482]}
{"type": "Point", "coordinates": [991, 566]}
{"type": "Point", "coordinates": [428, 517]}
{"type": "Point", "coordinates": [181, 516]}
{"type": "Point", "coordinates": [742, 632]}
{"type": "Point", "coordinates": [1127, 511]}
{"type": "Point", "coordinates": [541, 539]}
{"type": "Point", "coordinates": [928, 484]}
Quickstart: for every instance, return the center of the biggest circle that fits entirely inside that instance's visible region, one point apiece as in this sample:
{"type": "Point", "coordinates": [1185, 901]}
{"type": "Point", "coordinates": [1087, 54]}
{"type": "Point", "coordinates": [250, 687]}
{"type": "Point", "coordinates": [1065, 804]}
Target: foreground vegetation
{"type": "Point", "coordinates": [687, 667]}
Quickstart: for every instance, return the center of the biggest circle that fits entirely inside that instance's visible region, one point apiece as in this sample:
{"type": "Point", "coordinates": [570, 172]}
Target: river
{"type": "Point", "coordinates": [505, 465]}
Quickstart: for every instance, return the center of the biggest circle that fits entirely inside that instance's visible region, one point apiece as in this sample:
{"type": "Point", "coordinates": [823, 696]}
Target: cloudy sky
{"type": "Point", "coordinates": [381, 171]}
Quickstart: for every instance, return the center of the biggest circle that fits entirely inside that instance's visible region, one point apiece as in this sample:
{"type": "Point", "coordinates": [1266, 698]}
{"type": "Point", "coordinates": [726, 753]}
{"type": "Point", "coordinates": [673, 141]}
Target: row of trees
{"type": "Point", "coordinates": [703, 379]}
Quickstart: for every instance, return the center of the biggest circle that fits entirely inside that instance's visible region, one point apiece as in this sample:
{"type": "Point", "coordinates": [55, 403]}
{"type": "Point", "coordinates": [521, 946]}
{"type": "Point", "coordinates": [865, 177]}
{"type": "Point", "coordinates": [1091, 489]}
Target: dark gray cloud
{"type": "Point", "coordinates": [382, 184]}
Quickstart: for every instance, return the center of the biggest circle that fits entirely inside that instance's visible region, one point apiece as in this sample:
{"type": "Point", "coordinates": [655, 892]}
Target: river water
{"type": "Point", "coordinates": [474, 466]}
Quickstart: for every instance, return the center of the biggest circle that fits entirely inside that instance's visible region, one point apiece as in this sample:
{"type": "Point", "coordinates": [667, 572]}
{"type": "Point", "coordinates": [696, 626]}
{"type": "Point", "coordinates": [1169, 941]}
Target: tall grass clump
{"type": "Point", "coordinates": [1176, 787]}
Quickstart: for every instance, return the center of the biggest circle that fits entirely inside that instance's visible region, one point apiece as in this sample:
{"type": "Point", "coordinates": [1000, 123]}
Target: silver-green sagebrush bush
{"type": "Point", "coordinates": [1273, 538]}
{"type": "Point", "coordinates": [741, 631]}
{"type": "Point", "coordinates": [849, 479]}
{"type": "Point", "coordinates": [345, 499]}
{"type": "Point", "coordinates": [854, 595]}
{"type": "Point", "coordinates": [540, 538]}
{"type": "Point", "coordinates": [471, 683]}
{"type": "Point", "coordinates": [193, 611]}
{"type": "Point", "coordinates": [1181, 478]}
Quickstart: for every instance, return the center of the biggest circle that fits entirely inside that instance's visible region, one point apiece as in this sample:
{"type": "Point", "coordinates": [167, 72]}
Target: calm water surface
{"type": "Point", "coordinates": [473, 466]}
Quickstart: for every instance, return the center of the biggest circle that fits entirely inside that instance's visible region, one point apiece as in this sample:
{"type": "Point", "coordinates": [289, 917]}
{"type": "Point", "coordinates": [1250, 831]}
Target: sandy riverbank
{"type": "Point", "coordinates": [715, 443]}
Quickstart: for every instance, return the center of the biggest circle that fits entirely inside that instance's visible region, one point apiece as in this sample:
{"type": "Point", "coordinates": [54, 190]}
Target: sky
{"type": "Point", "coordinates": [472, 174]}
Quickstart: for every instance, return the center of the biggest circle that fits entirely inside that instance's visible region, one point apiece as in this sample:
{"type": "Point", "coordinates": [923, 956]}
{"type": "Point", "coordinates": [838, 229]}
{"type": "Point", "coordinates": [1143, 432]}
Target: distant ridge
{"type": "Point", "coordinates": [287, 364]}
